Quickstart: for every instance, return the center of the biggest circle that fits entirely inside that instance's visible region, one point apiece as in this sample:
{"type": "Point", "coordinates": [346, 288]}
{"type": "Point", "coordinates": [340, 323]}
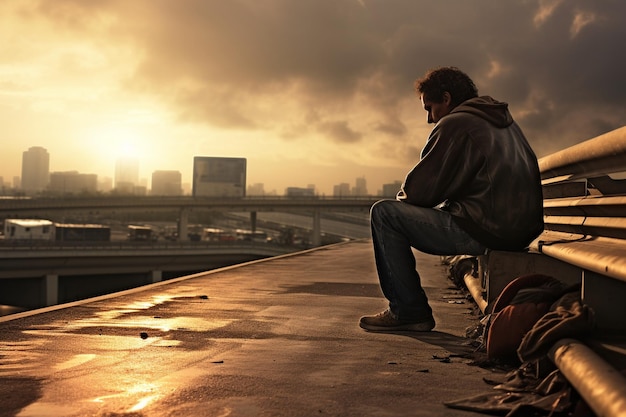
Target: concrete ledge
{"type": "Point", "coordinates": [498, 268]}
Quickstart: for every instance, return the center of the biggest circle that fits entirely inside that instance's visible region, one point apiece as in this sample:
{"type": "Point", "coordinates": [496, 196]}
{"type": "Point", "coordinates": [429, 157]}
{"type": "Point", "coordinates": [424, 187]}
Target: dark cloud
{"type": "Point", "coordinates": [339, 131]}
{"type": "Point", "coordinates": [558, 63]}
{"type": "Point", "coordinates": [392, 128]}
{"type": "Point", "coordinates": [223, 109]}
{"type": "Point", "coordinates": [256, 45]}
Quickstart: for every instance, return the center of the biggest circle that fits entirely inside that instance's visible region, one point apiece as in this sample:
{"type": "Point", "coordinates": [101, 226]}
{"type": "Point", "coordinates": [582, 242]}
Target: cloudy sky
{"type": "Point", "coordinates": [309, 91]}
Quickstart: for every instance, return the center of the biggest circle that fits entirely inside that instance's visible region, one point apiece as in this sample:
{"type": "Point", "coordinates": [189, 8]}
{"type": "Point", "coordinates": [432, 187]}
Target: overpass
{"type": "Point", "coordinates": [42, 207]}
{"type": "Point", "coordinates": [34, 275]}
{"type": "Point", "coordinates": [38, 275]}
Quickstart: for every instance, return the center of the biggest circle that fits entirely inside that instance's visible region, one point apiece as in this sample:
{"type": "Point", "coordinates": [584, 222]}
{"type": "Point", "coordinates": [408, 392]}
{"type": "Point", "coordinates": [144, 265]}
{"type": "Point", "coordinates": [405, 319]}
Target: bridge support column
{"type": "Point", "coordinates": [253, 221]}
{"type": "Point", "coordinates": [183, 220]}
{"type": "Point", "coordinates": [317, 228]}
{"type": "Point", "coordinates": [156, 276]}
{"type": "Point", "coordinates": [51, 285]}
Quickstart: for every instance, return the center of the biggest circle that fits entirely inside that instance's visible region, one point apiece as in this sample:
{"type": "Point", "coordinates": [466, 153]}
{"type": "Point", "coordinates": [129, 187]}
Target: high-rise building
{"type": "Point", "coordinates": [35, 170]}
{"type": "Point", "coordinates": [341, 190]}
{"type": "Point", "coordinates": [126, 175]}
{"type": "Point", "coordinates": [219, 177]}
{"type": "Point", "coordinates": [391, 189]}
{"type": "Point", "coordinates": [166, 183]}
{"type": "Point", "coordinates": [360, 187]}
{"type": "Point", "coordinates": [73, 182]}
{"type": "Point", "coordinates": [257, 189]}
{"type": "Point", "coordinates": [299, 192]}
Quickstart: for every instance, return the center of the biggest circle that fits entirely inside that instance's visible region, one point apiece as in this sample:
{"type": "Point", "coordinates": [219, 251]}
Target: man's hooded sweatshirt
{"type": "Point", "coordinates": [478, 165]}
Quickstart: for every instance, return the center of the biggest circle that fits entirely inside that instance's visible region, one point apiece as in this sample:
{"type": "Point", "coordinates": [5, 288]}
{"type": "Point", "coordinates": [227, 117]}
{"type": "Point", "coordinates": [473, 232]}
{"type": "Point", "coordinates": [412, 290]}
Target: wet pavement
{"type": "Point", "coordinates": [277, 337]}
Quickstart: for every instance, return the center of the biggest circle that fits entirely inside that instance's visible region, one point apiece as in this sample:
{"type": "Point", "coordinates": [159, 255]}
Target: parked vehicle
{"type": "Point", "coordinates": [28, 229]}
{"type": "Point", "coordinates": [81, 233]}
{"type": "Point", "coordinates": [141, 233]}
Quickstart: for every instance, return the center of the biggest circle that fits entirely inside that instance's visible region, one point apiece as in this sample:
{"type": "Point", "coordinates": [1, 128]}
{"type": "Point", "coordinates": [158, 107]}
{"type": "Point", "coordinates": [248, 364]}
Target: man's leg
{"type": "Point", "coordinates": [396, 227]}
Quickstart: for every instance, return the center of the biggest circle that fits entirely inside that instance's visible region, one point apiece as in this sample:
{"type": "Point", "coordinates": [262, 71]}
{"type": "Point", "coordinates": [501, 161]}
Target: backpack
{"type": "Point", "coordinates": [516, 310]}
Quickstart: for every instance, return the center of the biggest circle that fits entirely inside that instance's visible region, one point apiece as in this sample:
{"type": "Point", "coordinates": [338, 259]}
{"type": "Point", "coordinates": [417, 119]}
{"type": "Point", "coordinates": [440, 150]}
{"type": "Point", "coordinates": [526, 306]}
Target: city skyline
{"type": "Point", "coordinates": [309, 92]}
{"type": "Point", "coordinates": [126, 179]}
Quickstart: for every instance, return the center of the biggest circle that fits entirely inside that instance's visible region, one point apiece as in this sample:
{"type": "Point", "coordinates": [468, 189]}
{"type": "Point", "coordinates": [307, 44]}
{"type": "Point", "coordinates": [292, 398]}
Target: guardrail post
{"type": "Point", "coordinates": [253, 221]}
{"type": "Point", "coordinates": [317, 228]}
{"type": "Point", "coordinates": [51, 285]}
{"type": "Point", "coordinates": [183, 221]}
{"type": "Point", "coordinates": [156, 276]}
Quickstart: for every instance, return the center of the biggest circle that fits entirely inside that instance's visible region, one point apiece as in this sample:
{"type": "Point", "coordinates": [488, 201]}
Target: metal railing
{"type": "Point", "coordinates": [585, 222]}
{"type": "Point", "coordinates": [585, 226]}
{"type": "Point", "coordinates": [584, 207]}
{"type": "Point", "coordinates": [8, 207]}
{"type": "Point", "coordinates": [44, 245]}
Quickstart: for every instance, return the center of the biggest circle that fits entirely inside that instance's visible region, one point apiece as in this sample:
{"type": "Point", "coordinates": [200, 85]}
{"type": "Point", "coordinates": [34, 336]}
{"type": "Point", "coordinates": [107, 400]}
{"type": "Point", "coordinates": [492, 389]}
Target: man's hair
{"type": "Point", "coordinates": [450, 79]}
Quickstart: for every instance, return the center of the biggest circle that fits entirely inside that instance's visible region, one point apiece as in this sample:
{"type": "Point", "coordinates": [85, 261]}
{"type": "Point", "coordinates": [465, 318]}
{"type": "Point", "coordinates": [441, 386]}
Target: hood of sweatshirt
{"type": "Point", "coordinates": [485, 107]}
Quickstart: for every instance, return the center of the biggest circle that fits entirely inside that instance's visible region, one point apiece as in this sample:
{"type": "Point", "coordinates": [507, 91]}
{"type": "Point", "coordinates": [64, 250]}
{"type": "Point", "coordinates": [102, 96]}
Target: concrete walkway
{"type": "Point", "coordinates": [278, 337]}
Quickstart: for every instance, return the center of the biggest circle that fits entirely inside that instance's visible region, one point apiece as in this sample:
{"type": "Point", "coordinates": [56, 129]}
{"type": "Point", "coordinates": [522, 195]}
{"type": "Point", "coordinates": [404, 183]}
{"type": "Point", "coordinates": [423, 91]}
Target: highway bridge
{"type": "Point", "coordinates": [18, 205]}
{"type": "Point", "coordinates": [33, 276]}
{"type": "Point", "coordinates": [44, 274]}
{"type": "Point", "coordinates": [313, 206]}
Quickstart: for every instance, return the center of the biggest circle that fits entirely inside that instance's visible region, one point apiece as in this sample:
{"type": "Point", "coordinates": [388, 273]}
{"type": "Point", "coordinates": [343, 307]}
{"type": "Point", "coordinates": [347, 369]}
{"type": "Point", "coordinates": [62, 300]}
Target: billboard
{"type": "Point", "coordinates": [219, 177]}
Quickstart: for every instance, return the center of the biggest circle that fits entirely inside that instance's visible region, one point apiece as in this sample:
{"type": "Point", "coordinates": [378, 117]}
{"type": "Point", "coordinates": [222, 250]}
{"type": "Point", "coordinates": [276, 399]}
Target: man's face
{"type": "Point", "coordinates": [436, 110]}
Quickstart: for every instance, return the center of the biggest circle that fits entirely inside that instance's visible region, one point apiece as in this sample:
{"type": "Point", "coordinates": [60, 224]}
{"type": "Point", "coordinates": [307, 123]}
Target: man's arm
{"type": "Point", "coordinates": [447, 166]}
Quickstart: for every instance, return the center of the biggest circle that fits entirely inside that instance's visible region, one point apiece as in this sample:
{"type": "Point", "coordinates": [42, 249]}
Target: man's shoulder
{"type": "Point", "coordinates": [459, 121]}
{"type": "Point", "coordinates": [462, 117]}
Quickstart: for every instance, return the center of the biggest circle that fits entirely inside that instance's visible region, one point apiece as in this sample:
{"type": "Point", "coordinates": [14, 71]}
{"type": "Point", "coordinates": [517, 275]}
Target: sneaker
{"type": "Point", "coordinates": [386, 321]}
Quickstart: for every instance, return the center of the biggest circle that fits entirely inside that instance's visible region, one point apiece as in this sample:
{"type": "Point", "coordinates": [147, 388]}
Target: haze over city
{"type": "Point", "coordinates": [308, 91]}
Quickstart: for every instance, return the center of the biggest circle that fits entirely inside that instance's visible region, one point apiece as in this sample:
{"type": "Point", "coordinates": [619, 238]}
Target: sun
{"type": "Point", "coordinates": [128, 148]}
{"type": "Point", "coordinates": [116, 142]}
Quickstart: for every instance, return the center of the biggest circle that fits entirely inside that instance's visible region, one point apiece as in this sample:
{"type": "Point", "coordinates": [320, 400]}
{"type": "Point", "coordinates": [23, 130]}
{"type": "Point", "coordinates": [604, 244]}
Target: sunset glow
{"type": "Point", "coordinates": [310, 92]}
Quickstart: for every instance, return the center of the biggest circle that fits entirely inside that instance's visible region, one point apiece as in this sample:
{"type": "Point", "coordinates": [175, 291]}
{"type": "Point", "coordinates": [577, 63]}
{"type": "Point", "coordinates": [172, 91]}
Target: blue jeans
{"type": "Point", "coordinates": [398, 226]}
